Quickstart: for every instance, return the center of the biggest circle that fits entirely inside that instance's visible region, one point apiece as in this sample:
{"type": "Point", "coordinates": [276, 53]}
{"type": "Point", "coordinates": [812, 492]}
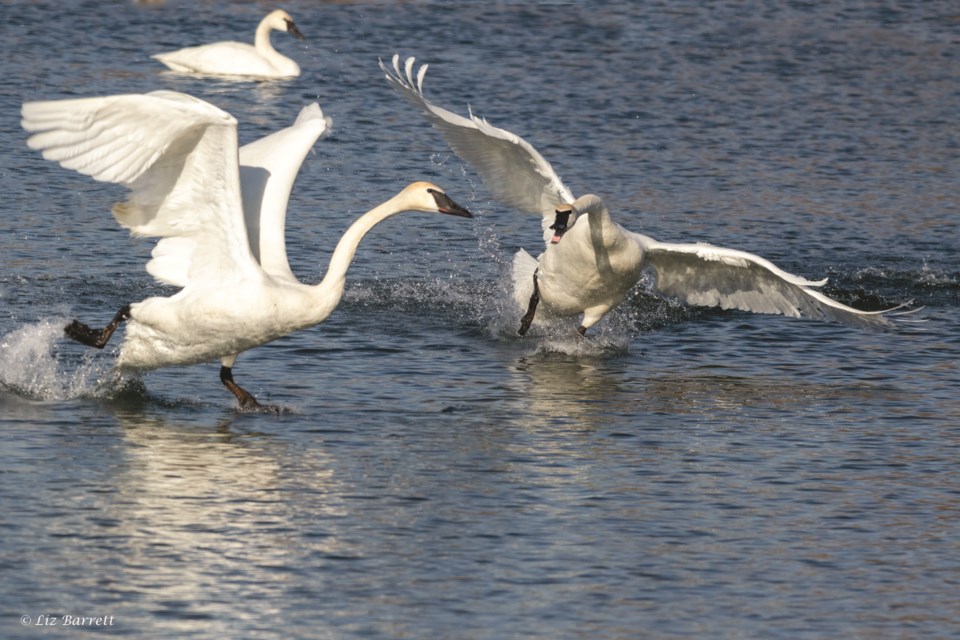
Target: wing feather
{"type": "Point", "coordinates": [178, 157]}
{"type": "Point", "coordinates": [512, 169]}
{"type": "Point", "coordinates": [268, 169]}
{"type": "Point", "coordinates": [706, 275]}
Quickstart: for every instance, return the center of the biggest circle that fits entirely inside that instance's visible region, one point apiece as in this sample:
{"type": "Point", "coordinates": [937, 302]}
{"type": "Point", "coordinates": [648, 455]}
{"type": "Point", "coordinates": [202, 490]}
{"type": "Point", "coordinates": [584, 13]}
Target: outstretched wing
{"type": "Point", "coordinates": [178, 157]}
{"type": "Point", "coordinates": [510, 167]}
{"type": "Point", "coordinates": [268, 168]}
{"type": "Point", "coordinates": [709, 276]}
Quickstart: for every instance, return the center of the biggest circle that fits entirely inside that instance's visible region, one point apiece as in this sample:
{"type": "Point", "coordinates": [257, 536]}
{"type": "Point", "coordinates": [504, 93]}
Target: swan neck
{"type": "Point", "coordinates": [597, 214]}
{"type": "Point", "coordinates": [261, 40]}
{"type": "Point", "coordinates": [596, 209]}
{"type": "Point", "coordinates": [602, 232]}
{"type": "Point", "coordinates": [347, 246]}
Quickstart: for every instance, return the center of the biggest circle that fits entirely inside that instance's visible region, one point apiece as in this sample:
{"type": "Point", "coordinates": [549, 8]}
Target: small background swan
{"type": "Point", "coordinates": [591, 263]}
{"type": "Point", "coordinates": [178, 156]}
{"type": "Point", "coordinates": [238, 58]}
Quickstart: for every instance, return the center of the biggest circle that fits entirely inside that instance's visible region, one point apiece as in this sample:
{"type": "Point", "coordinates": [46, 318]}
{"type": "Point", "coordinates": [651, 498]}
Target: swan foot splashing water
{"type": "Point", "coordinates": [590, 262]}
{"type": "Point", "coordinates": [98, 339]}
{"type": "Point", "coordinates": [178, 156]}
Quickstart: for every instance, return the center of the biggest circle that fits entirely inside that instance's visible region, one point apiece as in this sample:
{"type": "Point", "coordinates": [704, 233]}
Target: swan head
{"type": "Point", "coordinates": [561, 222]}
{"type": "Point", "coordinates": [281, 21]}
{"type": "Point", "coordinates": [425, 196]}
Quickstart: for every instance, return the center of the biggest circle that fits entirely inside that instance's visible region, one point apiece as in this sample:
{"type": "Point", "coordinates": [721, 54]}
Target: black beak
{"type": "Point", "coordinates": [292, 30]}
{"type": "Point", "coordinates": [559, 226]}
{"type": "Point", "coordinates": [448, 206]}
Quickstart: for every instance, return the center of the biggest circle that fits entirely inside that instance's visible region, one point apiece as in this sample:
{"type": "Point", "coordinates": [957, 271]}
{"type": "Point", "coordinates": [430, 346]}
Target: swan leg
{"type": "Point", "coordinates": [83, 334]}
{"type": "Point", "coordinates": [582, 330]}
{"type": "Point", "coordinates": [527, 319]}
{"type": "Point", "coordinates": [247, 401]}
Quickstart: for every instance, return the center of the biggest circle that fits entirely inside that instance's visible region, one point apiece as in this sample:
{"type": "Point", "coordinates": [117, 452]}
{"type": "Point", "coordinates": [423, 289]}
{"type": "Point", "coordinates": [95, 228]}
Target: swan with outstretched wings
{"type": "Point", "coordinates": [178, 156]}
{"type": "Point", "coordinates": [590, 262]}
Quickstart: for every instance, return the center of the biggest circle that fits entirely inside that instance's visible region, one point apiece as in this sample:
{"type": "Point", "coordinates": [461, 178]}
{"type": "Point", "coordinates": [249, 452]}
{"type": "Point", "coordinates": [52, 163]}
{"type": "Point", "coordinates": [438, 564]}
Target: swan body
{"type": "Point", "coordinates": [178, 156]}
{"type": "Point", "coordinates": [590, 271]}
{"type": "Point", "coordinates": [230, 58]}
{"type": "Point", "coordinates": [590, 262]}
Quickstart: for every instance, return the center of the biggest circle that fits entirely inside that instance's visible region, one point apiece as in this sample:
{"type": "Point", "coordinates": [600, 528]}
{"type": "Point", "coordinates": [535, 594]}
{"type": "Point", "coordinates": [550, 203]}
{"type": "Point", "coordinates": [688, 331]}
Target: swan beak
{"type": "Point", "coordinates": [560, 225]}
{"type": "Point", "coordinates": [448, 206]}
{"type": "Point", "coordinates": [292, 30]}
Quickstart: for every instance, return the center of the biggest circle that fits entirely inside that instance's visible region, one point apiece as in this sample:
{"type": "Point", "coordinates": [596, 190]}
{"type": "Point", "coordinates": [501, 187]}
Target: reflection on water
{"type": "Point", "coordinates": [205, 520]}
{"type": "Point", "coordinates": [259, 114]}
{"type": "Point", "coordinates": [705, 394]}
{"type": "Point", "coordinates": [597, 392]}
{"type": "Point", "coordinates": [575, 392]}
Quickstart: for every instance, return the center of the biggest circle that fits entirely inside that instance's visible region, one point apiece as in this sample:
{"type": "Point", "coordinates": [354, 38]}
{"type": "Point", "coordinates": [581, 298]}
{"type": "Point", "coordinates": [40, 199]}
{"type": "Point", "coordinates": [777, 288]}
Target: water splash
{"type": "Point", "coordinates": [33, 367]}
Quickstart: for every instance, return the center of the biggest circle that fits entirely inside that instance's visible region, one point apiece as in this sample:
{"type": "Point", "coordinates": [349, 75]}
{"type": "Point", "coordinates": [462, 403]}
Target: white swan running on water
{"type": "Point", "coordinates": [591, 262]}
{"type": "Point", "coordinates": [178, 156]}
{"type": "Point", "coordinates": [230, 58]}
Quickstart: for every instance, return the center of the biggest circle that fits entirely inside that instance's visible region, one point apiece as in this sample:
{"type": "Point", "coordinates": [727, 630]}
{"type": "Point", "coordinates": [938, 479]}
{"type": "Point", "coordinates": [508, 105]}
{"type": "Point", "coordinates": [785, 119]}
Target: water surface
{"type": "Point", "coordinates": [682, 473]}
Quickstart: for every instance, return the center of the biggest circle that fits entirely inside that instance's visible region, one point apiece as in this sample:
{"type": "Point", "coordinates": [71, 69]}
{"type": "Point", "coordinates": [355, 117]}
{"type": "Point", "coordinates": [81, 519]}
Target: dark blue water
{"type": "Point", "coordinates": [680, 474]}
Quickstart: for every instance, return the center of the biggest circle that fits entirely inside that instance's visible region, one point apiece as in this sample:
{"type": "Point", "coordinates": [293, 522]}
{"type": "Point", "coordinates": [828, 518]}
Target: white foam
{"type": "Point", "coordinates": [32, 366]}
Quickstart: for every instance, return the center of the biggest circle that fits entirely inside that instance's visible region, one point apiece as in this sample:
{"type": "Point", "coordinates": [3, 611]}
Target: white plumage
{"type": "Point", "coordinates": [589, 266]}
{"type": "Point", "coordinates": [178, 156]}
{"type": "Point", "coordinates": [229, 58]}
{"type": "Point", "coordinates": [268, 168]}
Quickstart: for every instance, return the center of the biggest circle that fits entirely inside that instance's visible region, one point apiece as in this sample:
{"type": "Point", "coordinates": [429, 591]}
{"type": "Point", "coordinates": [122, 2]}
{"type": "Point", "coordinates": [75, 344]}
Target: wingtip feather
{"type": "Point", "coordinates": [420, 76]}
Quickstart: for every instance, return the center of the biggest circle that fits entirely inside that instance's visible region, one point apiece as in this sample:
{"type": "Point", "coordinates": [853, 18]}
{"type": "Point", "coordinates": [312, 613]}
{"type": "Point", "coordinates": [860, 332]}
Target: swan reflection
{"type": "Point", "coordinates": [207, 514]}
{"type": "Point", "coordinates": [560, 389]}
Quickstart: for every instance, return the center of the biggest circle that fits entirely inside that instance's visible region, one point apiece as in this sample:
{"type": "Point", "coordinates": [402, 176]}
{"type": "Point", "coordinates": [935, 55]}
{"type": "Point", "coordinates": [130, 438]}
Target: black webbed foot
{"type": "Point", "coordinates": [83, 334]}
{"type": "Point", "coordinates": [98, 339]}
{"type": "Point", "coordinates": [247, 402]}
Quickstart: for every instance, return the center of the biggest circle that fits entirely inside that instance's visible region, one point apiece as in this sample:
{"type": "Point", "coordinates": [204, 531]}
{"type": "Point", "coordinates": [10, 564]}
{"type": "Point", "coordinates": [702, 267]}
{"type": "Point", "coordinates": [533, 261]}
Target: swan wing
{"type": "Point", "coordinates": [706, 275]}
{"type": "Point", "coordinates": [178, 157]}
{"type": "Point", "coordinates": [268, 168]}
{"type": "Point", "coordinates": [511, 168]}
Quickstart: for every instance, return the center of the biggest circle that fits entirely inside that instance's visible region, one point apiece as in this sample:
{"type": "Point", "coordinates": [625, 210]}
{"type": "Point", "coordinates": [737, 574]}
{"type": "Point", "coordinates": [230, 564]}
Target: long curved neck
{"type": "Point", "coordinates": [595, 208]}
{"type": "Point", "coordinates": [599, 218]}
{"type": "Point", "coordinates": [333, 281]}
{"type": "Point", "coordinates": [261, 40]}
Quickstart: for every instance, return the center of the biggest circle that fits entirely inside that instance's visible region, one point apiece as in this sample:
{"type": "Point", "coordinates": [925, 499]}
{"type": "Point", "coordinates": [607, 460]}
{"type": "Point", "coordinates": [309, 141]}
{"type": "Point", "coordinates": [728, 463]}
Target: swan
{"type": "Point", "coordinates": [230, 58]}
{"type": "Point", "coordinates": [178, 157]}
{"type": "Point", "coordinates": [590, 262]}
